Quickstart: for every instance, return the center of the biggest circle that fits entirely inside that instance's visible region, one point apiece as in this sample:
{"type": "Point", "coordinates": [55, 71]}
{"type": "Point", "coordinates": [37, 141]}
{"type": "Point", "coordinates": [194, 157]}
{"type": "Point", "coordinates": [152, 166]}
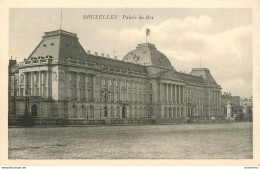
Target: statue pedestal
{"type": "Point", "coordinates": [229, 111]}
{"type": "Point", "coordinates": [107, 120]}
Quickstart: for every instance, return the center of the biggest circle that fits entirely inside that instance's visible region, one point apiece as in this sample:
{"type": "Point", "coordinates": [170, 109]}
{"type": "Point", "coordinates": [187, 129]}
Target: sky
{"type": "Point", "coordinates": [219, 39]}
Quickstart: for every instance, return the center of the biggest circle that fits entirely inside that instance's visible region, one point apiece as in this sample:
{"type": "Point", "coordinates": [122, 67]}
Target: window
{"type": "Point", "coordinates": [123, 83]}
{"type": "Point", "coordinates": [129, 96]}
{"type": "Point", "coordinates": [91, 111]}
{"type": "Point", "coordinates": [123, 96]}
{"type": "Point", "coordinates": [83, 111]}
{"type": "Point", "coordinates": [118, 112]}
{"type": "Point", "coordinates": [144, 98]}
{"type": "Point", "coordinates": [74, 111]}
{"type": "Point", "coordinates": [87, 80]}
{"type": "Point", "coordinates": [130, 112]}
{"type": "Point", "coordinates": [151, 86]}
{"type": "Point", "coordinates": [112, 112]}
{"type": "Point", "coordinates": [117, 96]}
{"type": "Point", "coordinates": [21, 92]}
{"type": "Point", "coordinates": [116, 83]}
{"type": "Point", "coordinates": [136, 113]}
{"type": "Point", "coordinates": [110, 82]}
{"type": "Point", "coordinates": [134, 98]}
{"type": "Point", "coordinates": [71, 92]}
{"type": "Point", "coordinates": [81, 94]}
{"type": "Point", "coordinates": [134, 86]}
{"type": "Point", "coordinates": [151, 97]}
{"type": "Point", "coordinates": [104, 82]}
{"type": "Point", "coordinates": [128, 84]}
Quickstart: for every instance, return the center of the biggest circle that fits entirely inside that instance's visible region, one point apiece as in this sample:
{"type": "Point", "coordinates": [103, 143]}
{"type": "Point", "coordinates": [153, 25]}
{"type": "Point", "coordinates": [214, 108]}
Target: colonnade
{"type": "Point", "coordinates": [171, 93]}
{"type": "Point", "coordinates": [36, 83]}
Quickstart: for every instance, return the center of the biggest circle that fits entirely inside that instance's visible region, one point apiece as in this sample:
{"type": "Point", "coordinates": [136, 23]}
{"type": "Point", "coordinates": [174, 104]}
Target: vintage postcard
{"type": "Point", "coordinates": [146, 84]}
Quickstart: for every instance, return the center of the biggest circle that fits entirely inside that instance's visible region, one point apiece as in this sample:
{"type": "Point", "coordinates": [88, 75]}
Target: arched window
{"type": "Point", "coordinates": [130, 112]}
{"type": "Point", "coordinates": [150, 112]}
{"type": "Point", "coordinates": [91, 113]}
{"type": "Point", "coordinates": [87, 112]}
{"type": "Point", "coordinates": [178, 112]}
{"type": "Point", "coordinates": [83, 111]}
{"type": "Point", "coordinates": [141, 112]}
{"type": "Point", "coordinates": [135, 112]}
{"type": "Point", "coordinates": [146, 112]}
{"type": "Point", "coordinates": [165, 112]}
{"type": "Point", "coordinates": [170, 112]}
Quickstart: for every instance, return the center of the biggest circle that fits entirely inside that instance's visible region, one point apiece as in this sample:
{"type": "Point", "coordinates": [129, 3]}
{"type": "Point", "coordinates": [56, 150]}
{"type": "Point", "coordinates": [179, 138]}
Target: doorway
{"type": "Point", "coordinates": [124, 112]}
{"type": "Point", "coordinates": [34, 110]}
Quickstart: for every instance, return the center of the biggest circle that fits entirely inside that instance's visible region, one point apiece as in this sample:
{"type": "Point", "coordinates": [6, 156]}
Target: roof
{"type": "Point", "coordinates": [170, 74]}
{"type": "Point", "coordinates": [63, 44]}
{"type": "Point", "coordinates": [205, 74]}
{"type": "Point", "coordinates": [114, 63]}
{"type": "Point", "coordinates": [190, 77]}
{"type": "Point", "coordinates": [147, 54]}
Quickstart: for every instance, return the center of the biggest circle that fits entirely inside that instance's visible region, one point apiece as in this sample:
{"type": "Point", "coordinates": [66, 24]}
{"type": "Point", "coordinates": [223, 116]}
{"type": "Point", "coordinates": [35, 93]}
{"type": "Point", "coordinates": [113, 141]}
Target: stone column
{"type": "Point", "coordinates": [219, 98]}
{"type": "Point", "coordinates": [43, 83]}
{"type": "Point", "coordinates": [175, 90]}
{"type": "Point", "coordinates": [114, 92]}
{"type": "Point", "coordinates": [119, 85]}
{"type": "Point", "coordinates": [183, 95]}
{"type": "Point", "coordinates": [164, 93]}
{"type": "Point", "coordinates": [77, 85]}
{"type": "Point", "coordinates": [171, 93]}
{"type": "Point", "coordinates": [85, 87]}
{"type": "Point", "coordinates": [31, 85]}
{"type": "Point", "coordinates": [159, 92]}
{"type": "Point", "coordinates": [167, 97]}
{"type": "Point", "coordinates": [40, 83]}
{"type": "Point", "coordinates": [47, 84]}
{"type": "Point", "coordinates": [25, 83]}
{"type": "Point", "coordinates": [179, 94]}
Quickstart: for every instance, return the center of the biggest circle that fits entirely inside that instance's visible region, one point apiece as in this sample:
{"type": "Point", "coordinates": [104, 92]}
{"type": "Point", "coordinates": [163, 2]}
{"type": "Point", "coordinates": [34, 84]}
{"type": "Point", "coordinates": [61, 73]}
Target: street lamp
{"type": "Point", "coordinates": [27, 120]}
{"type": "Point", "coordinates": [188, 102]}
{"type": "Point", "coordinates": [105, 95]}
{"type": "Point", "coordinates": [26, 103]}
{"type": "Point", "coordinates": [15, 102]}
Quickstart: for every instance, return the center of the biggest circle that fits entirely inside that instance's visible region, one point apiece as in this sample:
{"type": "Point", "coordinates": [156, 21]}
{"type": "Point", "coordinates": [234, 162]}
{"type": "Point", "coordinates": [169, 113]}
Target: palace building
{"type": "Point", "coordinates": [61, 80]}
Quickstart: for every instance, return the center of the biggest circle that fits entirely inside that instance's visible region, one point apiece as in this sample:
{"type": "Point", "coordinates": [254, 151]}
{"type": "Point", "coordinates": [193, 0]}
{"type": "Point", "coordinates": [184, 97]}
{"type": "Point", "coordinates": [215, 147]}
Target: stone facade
{"type": "Point", "coordinates": [64, 81]}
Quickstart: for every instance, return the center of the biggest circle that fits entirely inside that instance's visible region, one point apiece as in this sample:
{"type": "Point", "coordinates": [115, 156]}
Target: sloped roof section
{"type": "Point", "coordinates": [205, 74]}
{"type": "Point", "coordinates": [63, 44]}
{"type": "Point", "coordinates": [114, 63]}
{"type": "Point", "coordinates": [172, 74]}
{"type": "Point", "coordinates": [189, 77]}
{"type": "Point", "coordinates": [58, 44]}
{"type": "Point", "coordinates": [147, 54]}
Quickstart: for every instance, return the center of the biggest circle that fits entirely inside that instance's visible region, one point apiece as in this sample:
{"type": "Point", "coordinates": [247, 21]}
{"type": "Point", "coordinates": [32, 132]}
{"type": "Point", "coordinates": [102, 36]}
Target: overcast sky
{"type": "Point", "coordinates": [220, 38]}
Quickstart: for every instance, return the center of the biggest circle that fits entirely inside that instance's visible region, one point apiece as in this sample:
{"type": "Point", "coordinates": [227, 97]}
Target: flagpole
{"type": "Point", "coordinates": [145, 34]}
{"type": "Point", "coordinates": [60, 19]}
